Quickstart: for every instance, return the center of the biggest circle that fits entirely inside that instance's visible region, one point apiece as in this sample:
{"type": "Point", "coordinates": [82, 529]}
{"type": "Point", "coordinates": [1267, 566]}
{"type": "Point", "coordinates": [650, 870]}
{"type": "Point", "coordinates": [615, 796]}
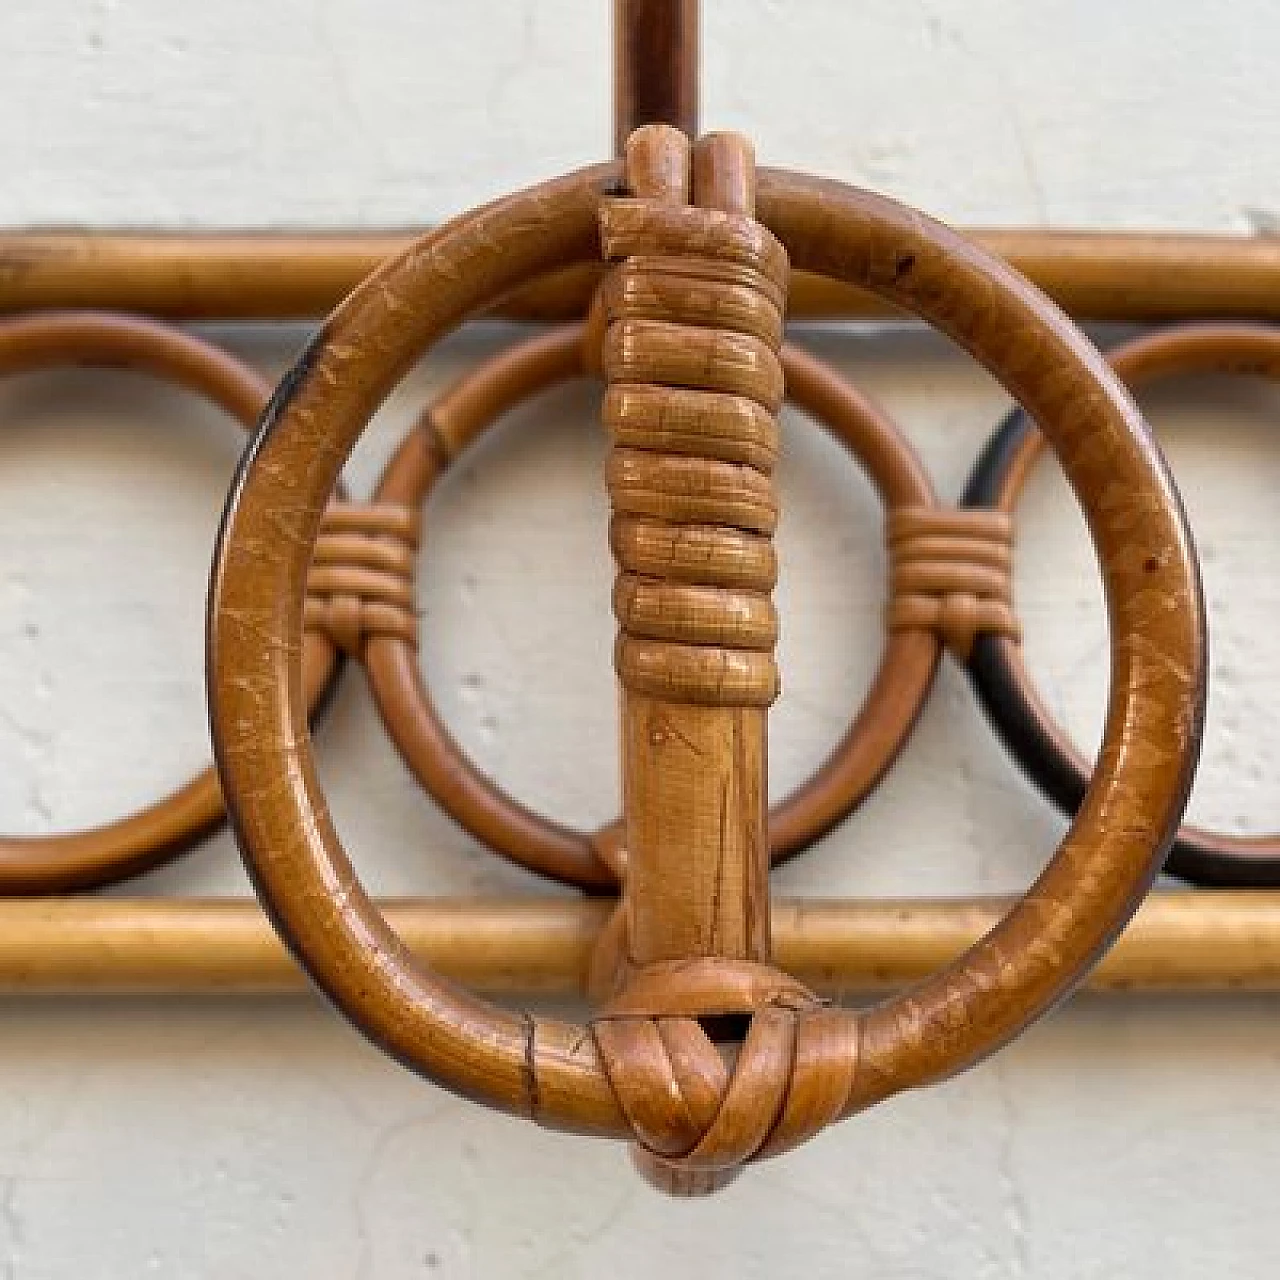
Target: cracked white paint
{"type": "Point", "coordinates": [139, 1138]}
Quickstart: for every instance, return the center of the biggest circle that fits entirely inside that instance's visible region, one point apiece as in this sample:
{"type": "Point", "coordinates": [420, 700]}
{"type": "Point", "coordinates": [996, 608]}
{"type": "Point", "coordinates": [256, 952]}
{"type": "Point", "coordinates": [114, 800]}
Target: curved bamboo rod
{"type": "Point", "coordinates": [1178, 942]}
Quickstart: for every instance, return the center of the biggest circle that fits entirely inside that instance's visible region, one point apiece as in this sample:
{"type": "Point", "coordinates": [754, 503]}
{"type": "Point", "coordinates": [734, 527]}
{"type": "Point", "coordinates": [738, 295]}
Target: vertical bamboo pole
{"type": "Point", "coordinates": [655, 67]}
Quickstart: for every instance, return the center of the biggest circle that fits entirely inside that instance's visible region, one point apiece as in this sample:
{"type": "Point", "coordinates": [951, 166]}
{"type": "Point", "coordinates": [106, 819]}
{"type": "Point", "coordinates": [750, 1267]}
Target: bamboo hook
{"type": "Point", "coordinates": [691, 355]}
{"type": "Point", "coordinates": [841, 1061]}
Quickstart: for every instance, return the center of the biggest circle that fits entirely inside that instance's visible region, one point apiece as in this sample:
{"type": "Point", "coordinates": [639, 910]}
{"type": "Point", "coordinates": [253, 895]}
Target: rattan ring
{"type": "Point", "coordinates": [831, 1061]}
{"type": "Point", "coordinates": [125, 847]}
{"type": "Point", "coordinates": [590, 860]}
{"type": "Point", "coordinates": [997, 666]}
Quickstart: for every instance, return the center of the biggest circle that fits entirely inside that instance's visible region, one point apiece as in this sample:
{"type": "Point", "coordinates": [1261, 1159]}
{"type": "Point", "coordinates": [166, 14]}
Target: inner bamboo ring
{"type": "Point", "coordinates": [868, 747]}
{"type": "Point", "coordinates": [115, 850]}
{"type": "Point", "coordinates": [998, 668]}
{"type": "Point", "coordinates": [547, 1069]}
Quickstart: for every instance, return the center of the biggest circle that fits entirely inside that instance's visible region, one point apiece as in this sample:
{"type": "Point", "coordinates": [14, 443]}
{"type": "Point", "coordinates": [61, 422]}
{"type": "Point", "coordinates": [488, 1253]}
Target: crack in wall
{"type": "Point", "coordinates": [14, 1228]}
{"type": "Point", "coordinates": [1017, 1208]}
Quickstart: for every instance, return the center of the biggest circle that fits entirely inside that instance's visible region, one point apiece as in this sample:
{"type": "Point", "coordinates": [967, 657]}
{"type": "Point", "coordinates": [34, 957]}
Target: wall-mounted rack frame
{"type": "Point", "coordinates": [1178, 941]}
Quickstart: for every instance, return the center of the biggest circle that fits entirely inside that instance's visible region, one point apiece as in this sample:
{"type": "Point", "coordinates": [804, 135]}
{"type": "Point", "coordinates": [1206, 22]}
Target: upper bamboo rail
{"type": "Point", "coordinates": [1094, 276]}
{"type": "Point", "coordinates": [1178, 942]}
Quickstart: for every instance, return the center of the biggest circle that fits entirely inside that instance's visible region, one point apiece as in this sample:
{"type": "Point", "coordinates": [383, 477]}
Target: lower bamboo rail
{"type": "Point", "coordinates": [1094, 275]}
{"type": "Point", "coordinates": [1178, 941]}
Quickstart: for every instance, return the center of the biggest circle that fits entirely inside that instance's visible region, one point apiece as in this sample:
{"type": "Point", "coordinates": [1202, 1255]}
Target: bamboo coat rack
{"type": "Point", "coordinates": [667, 275]}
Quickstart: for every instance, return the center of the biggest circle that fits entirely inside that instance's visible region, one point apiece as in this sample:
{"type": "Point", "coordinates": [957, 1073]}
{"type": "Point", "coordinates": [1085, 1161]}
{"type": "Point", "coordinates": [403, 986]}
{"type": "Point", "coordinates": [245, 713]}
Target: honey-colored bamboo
{"type": "Point", "coordinates": [1093, 275]}
{"type": "Point", "coordinates": [645, 1068]}
{"type": "Point", "coordinates": [1180, 941]}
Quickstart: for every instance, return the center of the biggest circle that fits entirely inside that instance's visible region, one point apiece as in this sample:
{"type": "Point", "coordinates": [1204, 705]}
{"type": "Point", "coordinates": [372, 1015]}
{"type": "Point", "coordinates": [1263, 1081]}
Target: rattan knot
{"type": "Point", "coordinates": [361, 578]}
{"type": "Point", "coordinates": [951, 571]}
{"type": "Point", "coordinates": [693, 313]}
{"type": "Point", "coordinates": [699, 1111]}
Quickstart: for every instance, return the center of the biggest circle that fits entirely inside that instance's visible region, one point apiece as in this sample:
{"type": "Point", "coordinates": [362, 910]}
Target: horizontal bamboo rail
{"type": "Point", "coordinates": [1095, 276]}
{"type": "Point", "coordinates": [1178, 941]}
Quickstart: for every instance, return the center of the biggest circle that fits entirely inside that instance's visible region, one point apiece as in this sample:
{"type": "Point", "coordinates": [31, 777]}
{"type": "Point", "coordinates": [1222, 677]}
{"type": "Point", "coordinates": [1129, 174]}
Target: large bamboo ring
{"type": "Point", "coordinates": [589, 860]}
{"type": "Point", "coordinates": [834, 1061]}
{"type": "Point", "coordinates": [128, 846]}
{"type": "Point", "coordinates": [997, 666]}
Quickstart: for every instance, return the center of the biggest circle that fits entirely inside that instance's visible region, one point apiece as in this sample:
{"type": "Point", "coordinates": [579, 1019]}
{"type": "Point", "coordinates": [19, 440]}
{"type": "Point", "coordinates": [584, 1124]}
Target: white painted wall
{"type": "Point", "coordinates": [259, 1138]}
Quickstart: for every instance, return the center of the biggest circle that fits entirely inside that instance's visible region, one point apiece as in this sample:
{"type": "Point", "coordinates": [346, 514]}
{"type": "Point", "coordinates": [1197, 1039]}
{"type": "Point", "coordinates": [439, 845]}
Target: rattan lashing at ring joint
{"type": "Point", "coordinates": [849, 1060]}
{"type": "Point", "coordinates": [361, 580]}
{"type": "Point", "coordinates": [951, 571]}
